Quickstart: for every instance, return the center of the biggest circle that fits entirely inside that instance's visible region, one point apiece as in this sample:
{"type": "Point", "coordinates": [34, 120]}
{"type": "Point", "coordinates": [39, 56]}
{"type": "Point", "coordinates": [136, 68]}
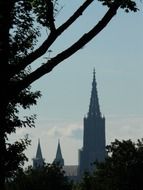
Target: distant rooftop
{"type": "Point", "coordinates": [70, 170]}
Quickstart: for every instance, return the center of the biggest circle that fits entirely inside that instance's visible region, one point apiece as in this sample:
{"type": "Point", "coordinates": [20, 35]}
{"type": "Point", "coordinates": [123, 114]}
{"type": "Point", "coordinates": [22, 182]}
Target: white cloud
{"type": "Point", "coordinates": [67, 130]}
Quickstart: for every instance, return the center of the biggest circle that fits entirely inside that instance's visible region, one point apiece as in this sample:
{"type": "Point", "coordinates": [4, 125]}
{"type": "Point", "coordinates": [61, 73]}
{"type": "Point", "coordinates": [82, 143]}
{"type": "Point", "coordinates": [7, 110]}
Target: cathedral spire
{"type": "Point", "coordinates": [39, 152]}
{"type": "Point", "coordinates": [93, 135]}
{"type": "Point", "coordinates": [94, 108]}
{"type": "Point", "coordinates": [59, 159]}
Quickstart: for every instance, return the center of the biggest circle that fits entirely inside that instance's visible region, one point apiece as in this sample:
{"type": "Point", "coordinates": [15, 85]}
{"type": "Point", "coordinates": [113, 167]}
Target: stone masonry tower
{"type": "Point", "coordinates": [38, 161]}
{"type": "Point", "coordinates": [59, 158]}
{"type": "Point", "coordinates": [94, 135]}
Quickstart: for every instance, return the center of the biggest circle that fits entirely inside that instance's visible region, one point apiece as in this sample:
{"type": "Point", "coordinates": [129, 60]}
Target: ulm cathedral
{"type": "Point", "coordinates": [93, 141]}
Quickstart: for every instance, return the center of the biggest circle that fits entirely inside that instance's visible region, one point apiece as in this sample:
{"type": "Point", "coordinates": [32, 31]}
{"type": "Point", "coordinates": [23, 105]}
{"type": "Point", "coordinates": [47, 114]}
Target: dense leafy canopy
{"type": "Point", "coordinates": [122, 169]}
{"type": "Point", "coordinates": [50, 177]}
{"type": "Point", "coordinates": [127, 5]}
{"type": "Point", "coordinates": [15, 157]}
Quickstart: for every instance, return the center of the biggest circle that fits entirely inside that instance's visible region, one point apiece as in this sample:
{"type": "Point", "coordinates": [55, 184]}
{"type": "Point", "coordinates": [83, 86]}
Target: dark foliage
{"type": "Point", "coordinates": [50, 177]}
{"type": "Point", "coordinates": [122, 169]}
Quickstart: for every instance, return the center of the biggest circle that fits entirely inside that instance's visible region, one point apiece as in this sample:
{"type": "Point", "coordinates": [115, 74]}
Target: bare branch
{"type": "Point", "coordinates": [47, 67]}
{"type": "Point", "coordinates": [50, 40]}
{"type": "Point", "coordinates": [76, 15]}
{"type": "Point", "coordinates": [50, 15]}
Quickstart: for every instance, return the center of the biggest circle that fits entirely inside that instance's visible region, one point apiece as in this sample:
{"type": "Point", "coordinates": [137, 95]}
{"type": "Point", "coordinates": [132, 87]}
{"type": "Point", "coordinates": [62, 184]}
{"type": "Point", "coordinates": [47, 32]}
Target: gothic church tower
{"type": "Point", "coordinates": [94, 134]}
{"type": "Point", "coordinates": [38, 161]}
{"type": "Point", "coordinates": [59, 158]}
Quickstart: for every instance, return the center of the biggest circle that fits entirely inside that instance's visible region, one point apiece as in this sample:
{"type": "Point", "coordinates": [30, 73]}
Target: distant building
{"type": "Point", "coordinates": [94, 135]}
{"type": "Point", "coordinates": [93, 141]}
{"type": "Point", "coordinates": [38, 161]}
{"type": "Point", "coordinates": [59, 158]}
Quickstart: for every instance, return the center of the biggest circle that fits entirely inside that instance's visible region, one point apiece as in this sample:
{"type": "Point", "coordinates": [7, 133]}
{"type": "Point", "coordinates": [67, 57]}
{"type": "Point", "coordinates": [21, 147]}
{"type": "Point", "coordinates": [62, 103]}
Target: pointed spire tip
{"type": "Point", "coordinates": [94, 108]}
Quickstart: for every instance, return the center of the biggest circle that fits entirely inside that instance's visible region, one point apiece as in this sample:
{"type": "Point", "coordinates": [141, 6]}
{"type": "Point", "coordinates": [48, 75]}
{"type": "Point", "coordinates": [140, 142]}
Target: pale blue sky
{"type": "Point", "coordinates": [117, 56]}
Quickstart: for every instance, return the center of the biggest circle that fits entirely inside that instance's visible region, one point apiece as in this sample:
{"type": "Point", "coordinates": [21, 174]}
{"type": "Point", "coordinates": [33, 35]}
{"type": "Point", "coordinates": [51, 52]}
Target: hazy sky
{"type": "Point", "coordinates": [117, 56]}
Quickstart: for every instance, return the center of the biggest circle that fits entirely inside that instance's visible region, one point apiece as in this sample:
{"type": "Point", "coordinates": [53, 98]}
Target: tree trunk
{"type": "Point", "coordinates": [5, 9]}
{"type": "Point", "coordinates": [2, 161]}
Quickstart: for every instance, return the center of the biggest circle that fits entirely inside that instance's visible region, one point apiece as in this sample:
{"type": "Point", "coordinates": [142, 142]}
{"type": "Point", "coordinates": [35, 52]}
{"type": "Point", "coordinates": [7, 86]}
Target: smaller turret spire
{"type": "Point", "coordinates": [38, 161]}
{"type": "Point", "coordinates": [39, 152]}
{"type": "Point", "coordinates": [94, 108]}
{"type": "Point", "coordinates": [59, 159]}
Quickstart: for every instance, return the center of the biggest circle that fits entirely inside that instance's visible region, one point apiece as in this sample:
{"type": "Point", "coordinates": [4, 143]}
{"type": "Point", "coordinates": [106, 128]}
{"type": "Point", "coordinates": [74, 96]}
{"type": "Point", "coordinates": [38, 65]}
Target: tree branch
{"type": "Point", "coordinates": [50, 15]}
{"type": "Point", "coordinates": [50, 40]}
{"type": "Point", "coordinates": [47, 67]}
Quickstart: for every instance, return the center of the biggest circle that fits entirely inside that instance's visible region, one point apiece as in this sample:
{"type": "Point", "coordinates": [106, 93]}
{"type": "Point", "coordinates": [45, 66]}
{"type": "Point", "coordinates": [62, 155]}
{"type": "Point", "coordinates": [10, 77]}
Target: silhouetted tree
{"type": "Point", "coordinates": [50, 177]}
{"type": "Point", "coordinates": [122, 169]}
{"type": "Point", "coordinates": [18, 51]}
{"type": "Point", "coordinates": [15, 157]}
{"type": "Point", "coordinates": [87, 182]}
